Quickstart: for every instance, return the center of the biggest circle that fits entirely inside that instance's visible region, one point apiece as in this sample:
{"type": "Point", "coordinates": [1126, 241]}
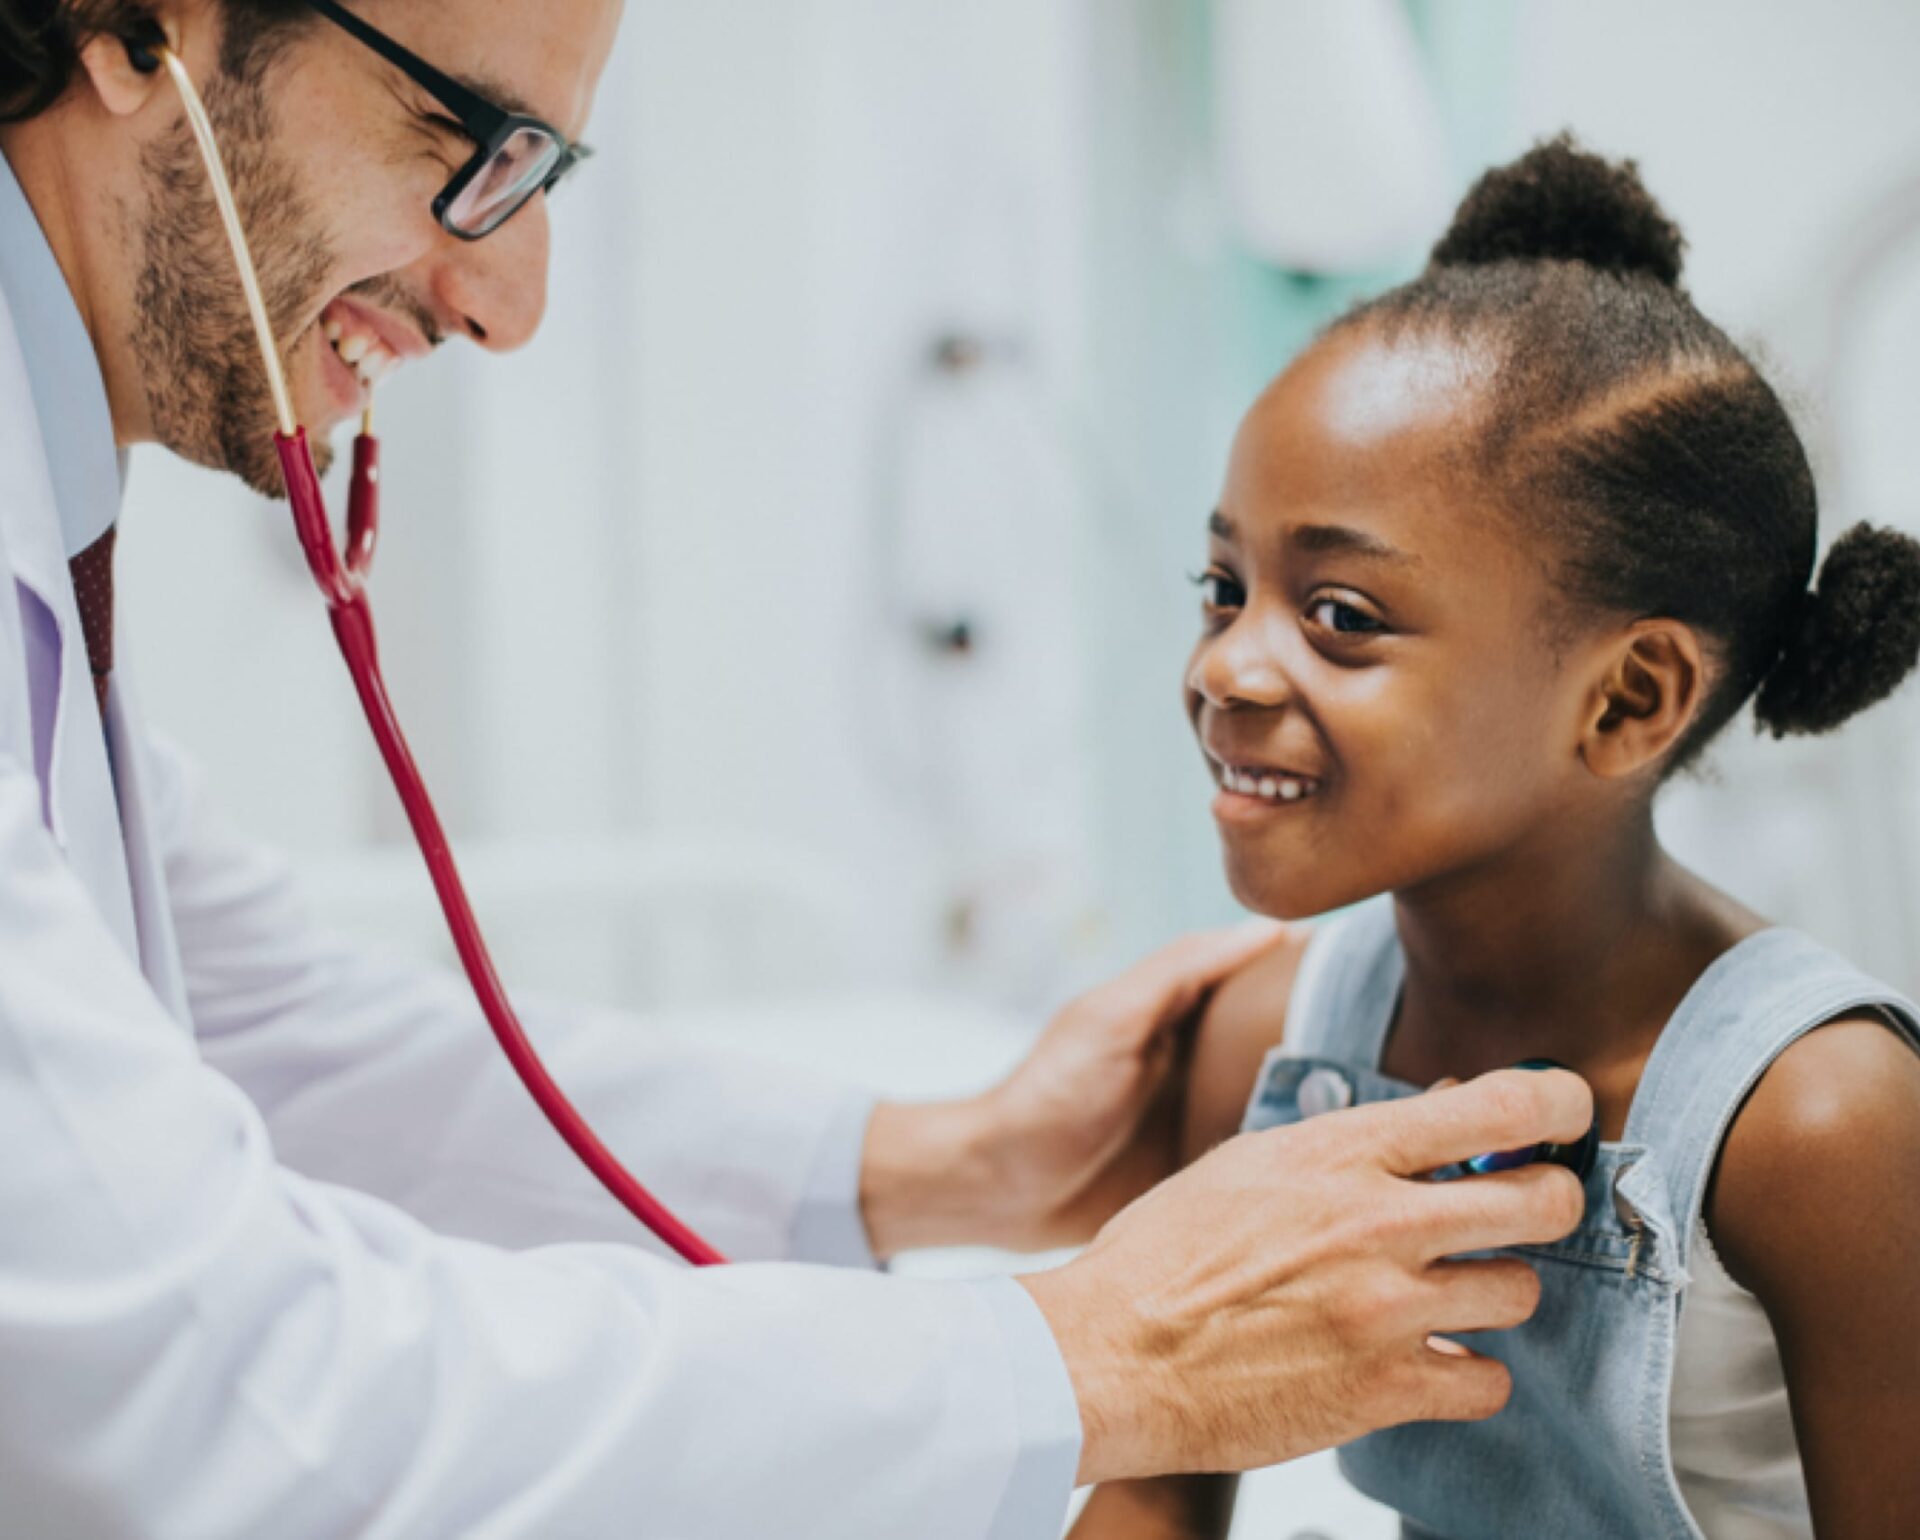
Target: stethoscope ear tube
{"type": "Point", "coordinates": [236, 233]}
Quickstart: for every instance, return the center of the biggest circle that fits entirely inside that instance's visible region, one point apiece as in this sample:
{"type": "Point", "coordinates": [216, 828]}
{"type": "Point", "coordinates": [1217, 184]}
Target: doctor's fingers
{"type": "Point", "coordinates": [1507, 1110]}
{"type": "Point", "coordinates": [1445, 1382]}
{"type": "Point", "coordinates": [1490, 1295]}
{"type": "Point", "coordinates": [1533, 1206]}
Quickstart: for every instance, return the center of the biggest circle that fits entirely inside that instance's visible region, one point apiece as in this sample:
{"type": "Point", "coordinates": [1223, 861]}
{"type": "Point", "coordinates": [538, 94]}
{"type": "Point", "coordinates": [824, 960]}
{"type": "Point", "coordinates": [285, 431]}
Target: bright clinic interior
{"type": "Point", "coordinates": [793, 632]}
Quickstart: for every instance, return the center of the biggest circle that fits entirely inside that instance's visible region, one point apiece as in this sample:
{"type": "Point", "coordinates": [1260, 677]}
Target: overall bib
{"type": "Point", "coordinates": [1581, 1452]}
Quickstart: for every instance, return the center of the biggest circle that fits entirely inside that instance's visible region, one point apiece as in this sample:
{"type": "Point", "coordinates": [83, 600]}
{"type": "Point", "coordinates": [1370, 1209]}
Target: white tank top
{"type": "Point", "coordinates": [1731, 1428]}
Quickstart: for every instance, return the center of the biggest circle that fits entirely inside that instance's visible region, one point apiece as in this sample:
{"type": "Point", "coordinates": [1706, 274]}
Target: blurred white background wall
{"type": "Point", "coordinates": [630, 589]}
{"type": "Point", "coordinates": [804, 612]}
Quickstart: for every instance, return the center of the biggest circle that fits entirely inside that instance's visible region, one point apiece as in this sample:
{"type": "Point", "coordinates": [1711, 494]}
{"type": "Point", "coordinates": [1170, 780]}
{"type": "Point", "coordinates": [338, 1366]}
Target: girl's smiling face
{"type": "Point", "coordinates": [1376, 684]}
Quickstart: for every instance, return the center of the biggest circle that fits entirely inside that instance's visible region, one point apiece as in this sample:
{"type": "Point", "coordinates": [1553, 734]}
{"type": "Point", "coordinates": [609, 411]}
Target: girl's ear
{"type": "Point", "coordinates": [1651, 689]}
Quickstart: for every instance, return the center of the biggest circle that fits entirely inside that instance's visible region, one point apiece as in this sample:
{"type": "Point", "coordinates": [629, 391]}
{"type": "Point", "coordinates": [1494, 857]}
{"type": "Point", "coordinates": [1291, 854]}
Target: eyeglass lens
{"type": "Point", "coordinates": [518, 169]}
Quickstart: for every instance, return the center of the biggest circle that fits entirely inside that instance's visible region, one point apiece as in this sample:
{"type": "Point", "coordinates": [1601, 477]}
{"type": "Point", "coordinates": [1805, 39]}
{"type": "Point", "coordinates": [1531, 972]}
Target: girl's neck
{"type": "Point", "coordinates": [1577, 947]}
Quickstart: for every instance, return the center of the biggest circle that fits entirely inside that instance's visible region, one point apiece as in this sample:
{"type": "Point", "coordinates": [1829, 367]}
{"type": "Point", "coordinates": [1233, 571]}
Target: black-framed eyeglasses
{"type": "Point", "coordinates": [518, 157]}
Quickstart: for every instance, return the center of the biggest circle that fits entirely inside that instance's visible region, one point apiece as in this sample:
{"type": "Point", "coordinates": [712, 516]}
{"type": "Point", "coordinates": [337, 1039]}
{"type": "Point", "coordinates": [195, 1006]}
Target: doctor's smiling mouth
{"type": "Point", "coordinates": [336, 156]}
{"type": "Point", "coordinates": [365, 334]}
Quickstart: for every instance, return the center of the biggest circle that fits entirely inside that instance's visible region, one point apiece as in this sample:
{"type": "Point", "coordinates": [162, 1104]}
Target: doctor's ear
{"type": "Point", "coordinates": [1649, 691]}
{"type": "Point", "coordinates": [123, 66]}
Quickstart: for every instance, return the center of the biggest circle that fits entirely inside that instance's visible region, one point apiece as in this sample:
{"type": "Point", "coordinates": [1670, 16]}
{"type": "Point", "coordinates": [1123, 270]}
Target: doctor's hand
{"type": "Point", "coordinates": [1088, 1122]}
{"type": "Point", "coordinates": [1294, 1290]}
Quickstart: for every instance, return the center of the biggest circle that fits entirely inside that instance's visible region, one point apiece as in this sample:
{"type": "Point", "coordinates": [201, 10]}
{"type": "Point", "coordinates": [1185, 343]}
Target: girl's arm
{"type": "Point", "coordinates": [1169, 1508]}
{"type": "Point", "coordinates": [1243, 1020]}
{"type": "Point", "coordinates": [1816, 1211]}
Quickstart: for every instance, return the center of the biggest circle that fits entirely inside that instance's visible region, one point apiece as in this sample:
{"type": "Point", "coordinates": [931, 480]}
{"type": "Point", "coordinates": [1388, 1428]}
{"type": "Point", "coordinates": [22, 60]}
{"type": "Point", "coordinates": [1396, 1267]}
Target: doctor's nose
{"type": "Point", "coordinates": [1240, 667]}
{"type": "Point", "coordinates": [495, 290]}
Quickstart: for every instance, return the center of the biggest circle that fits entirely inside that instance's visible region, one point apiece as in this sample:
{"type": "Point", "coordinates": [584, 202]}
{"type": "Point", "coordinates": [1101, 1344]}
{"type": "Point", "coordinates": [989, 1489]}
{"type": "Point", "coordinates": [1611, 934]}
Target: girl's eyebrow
{"type": "Point", "coordinates": [1321, 539]}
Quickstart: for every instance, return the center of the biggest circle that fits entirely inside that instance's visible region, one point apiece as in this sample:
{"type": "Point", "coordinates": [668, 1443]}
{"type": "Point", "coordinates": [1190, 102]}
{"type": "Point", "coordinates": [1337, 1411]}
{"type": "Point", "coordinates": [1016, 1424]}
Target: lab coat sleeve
{"type": "Point", "coordinates": [197, 1341]}
{"type": "Point", "coordinates": [380, 1074]}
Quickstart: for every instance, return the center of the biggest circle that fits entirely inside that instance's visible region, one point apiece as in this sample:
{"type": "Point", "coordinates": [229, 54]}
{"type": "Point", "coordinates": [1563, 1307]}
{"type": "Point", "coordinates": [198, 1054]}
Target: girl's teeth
{"type": "Point", "coordinates": [1268, 788]}
{"type": "Point", "coordinates": [354, 348]}
{"type": "Point", "coordinates": [335, 331]}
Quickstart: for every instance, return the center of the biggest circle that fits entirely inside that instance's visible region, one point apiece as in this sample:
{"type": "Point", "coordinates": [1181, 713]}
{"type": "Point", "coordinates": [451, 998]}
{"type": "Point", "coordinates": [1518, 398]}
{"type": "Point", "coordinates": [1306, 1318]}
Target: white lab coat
{"type": "Point", "coordinates": [224, 1139]}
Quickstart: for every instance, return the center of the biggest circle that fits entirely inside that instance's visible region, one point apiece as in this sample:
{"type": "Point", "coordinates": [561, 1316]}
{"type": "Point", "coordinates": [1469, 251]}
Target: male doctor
{"type": "Point", "coordinates": [285, 1253]}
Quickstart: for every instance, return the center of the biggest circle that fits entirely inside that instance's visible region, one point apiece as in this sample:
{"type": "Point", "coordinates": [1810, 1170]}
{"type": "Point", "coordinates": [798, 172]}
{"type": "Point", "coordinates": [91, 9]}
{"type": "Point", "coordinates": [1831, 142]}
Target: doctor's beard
{"type": "Point", "coordinates": [207, 392]}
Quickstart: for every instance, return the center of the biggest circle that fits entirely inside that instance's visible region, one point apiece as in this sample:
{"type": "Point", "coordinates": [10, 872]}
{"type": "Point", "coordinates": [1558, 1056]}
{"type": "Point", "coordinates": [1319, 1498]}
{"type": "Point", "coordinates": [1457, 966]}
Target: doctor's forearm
{"type": "Point", "coordinates": [1081, 1127]}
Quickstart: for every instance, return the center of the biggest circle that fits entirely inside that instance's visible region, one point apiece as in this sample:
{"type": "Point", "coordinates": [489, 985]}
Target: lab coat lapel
{"type": "Point", "coordinates": [70, 750]}
{"type": "Point", "coordinates": [146, 874]}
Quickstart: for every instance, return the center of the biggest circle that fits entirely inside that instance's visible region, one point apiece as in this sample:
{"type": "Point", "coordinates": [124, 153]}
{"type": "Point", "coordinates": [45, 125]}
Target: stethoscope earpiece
{"type": "Point", "coordinates": [145, 41]}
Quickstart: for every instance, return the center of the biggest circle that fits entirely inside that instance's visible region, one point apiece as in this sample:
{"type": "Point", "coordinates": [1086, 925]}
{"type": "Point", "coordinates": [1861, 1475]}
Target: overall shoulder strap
{"type": "Point", "coordinates": [1748, 1008]}
{"type": "Point", "coordinates": [1348, 985]}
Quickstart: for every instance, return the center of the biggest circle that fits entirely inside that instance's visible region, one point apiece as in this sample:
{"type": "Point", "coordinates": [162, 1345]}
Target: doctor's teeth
{"type": "Point", "coordinates": [369, 358]}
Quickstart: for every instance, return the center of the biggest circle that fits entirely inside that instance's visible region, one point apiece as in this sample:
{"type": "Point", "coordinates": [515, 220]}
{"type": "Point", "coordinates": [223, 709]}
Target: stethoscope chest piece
{"type": "Point", "coordinates": [1578, 1157]}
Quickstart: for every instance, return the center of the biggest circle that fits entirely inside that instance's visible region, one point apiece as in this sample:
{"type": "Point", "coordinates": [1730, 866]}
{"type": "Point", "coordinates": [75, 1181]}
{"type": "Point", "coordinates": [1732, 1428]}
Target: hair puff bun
{"type": "Point", "coordinates": [1857, 637]}
{"type": "Point", "coordinates": [1558, 202]}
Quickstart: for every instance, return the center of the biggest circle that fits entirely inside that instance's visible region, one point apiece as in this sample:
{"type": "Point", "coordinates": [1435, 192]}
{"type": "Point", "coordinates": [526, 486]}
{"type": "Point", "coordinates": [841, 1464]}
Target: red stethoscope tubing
{"type": "Point", "coordinates": [343, 582]}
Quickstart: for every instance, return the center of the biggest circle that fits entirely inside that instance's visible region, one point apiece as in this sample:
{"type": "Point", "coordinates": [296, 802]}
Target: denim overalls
{"type": "Point", "coordinates": [1581, 1452]}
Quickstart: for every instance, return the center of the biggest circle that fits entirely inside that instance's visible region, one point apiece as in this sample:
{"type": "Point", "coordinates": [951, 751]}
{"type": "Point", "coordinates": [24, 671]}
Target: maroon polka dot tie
{"type": "Point", "coordinates": [93, 592]}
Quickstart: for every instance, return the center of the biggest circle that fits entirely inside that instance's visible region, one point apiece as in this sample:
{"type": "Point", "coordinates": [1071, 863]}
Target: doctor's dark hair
{"type": "Point", "coordinates": [40, 42]}
{"type": "Point", "coordinates": [1647, 449]}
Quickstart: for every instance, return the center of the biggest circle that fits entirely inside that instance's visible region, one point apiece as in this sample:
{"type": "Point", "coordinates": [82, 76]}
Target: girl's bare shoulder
{"type": "Point", "coordinates": [1812, 1210]}
{"type": "Point", "coordinates": [1242, 1021]}
{"type": "Point", "coordinates": [1829, 1140]}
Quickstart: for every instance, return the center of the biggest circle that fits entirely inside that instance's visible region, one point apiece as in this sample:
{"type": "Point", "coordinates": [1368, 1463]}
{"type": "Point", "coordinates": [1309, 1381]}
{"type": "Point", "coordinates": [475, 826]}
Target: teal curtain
{"type": "Point", "coordinates": [1185, 331]}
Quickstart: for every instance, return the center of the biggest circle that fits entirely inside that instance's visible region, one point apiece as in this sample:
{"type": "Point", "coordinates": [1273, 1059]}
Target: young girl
{"type": "Point", "coordinates": [1498, 555]}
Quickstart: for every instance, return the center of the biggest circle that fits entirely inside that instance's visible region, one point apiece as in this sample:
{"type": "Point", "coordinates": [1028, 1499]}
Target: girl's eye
{"type": "Point", "coordinates": [1342, 618]}
{"type": "Point", "coordinates": [1219, 591]}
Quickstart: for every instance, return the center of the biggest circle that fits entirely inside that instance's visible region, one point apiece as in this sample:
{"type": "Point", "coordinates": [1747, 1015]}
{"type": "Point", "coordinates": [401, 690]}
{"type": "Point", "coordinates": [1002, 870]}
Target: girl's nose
{"type": "Point", "coordinates": [1240, 667]}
